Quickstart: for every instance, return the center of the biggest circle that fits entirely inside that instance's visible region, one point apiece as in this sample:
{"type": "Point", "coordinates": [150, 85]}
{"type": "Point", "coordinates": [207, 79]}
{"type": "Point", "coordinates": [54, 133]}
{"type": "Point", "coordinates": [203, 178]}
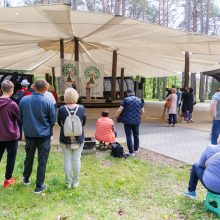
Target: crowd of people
{"type": "Point", "coordinates": [181, 102]}
{"type": "Point", "coordinates": [33, 111]}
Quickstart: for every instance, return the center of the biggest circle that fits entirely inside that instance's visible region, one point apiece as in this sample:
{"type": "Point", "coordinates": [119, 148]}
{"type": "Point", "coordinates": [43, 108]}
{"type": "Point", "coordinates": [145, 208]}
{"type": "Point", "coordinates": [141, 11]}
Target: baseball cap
{"type": "Point", "coordinates": [24, 82]}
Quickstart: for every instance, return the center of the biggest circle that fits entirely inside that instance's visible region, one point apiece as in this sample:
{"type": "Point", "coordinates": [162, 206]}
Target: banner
{"type": "Point", "coordinates": [70, 74]}
{"type": "Point", "coordinates": [92, 80]}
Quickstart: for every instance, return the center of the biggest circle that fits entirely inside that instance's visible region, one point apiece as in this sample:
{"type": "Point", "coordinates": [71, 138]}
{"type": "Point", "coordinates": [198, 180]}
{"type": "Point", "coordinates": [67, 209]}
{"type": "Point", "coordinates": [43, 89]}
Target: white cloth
{"type": "Point", "coordinates": [72, 164]}
{"type": "Point", "coordinates": [50, 96]}
{"type": "Point", "coordinates": [173, 107]}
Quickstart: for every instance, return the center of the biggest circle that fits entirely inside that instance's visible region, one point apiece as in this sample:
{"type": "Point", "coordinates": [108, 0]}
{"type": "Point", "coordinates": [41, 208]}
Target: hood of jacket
{"type": "Point", "coordinates": [4, 101]}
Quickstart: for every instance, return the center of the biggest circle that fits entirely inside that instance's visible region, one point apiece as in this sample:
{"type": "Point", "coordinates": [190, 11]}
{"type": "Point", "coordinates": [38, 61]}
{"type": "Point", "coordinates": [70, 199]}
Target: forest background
{"type": "Point", "coordinates": [201, 16]}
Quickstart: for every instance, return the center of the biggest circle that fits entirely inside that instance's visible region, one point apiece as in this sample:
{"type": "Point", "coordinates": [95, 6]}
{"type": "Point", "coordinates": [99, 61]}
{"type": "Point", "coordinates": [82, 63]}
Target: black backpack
{"type": "Point", "coordinates": [118, 150]}
{"type": "Point", "coordinates": [18, 96]}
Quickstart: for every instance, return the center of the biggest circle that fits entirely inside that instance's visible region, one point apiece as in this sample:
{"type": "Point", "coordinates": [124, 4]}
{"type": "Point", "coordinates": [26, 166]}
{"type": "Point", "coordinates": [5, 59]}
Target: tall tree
{"type": "Point", "coordinates": [117, 7]}
{"type": "Point", "coordinates": [188, 15]}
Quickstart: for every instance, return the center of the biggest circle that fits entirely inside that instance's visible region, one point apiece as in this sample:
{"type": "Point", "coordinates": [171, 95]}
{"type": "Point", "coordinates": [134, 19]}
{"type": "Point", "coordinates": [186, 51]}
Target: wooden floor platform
{"type": "Point", "coordinates": [96, 103]}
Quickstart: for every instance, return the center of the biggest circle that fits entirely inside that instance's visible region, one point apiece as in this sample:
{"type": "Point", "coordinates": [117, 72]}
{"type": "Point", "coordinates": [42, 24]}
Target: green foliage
{"type": "Point", "coordinates": [90, 70]}
{"type": "Point", "coordinates": [109, 188]}
{"type": "Point", "coordinates": [69, 68]}
{"type": "Point", "coordinates": [149, 86]}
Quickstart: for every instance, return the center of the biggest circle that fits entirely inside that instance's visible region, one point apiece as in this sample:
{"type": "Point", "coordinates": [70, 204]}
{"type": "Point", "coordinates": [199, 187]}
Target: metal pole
{"type": "Point", "coordinates": [114, 73]}
{"type": "Point", "coordinates": [122, 84]}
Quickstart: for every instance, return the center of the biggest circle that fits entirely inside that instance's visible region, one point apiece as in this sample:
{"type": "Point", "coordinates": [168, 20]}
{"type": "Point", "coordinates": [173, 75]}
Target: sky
{"type": "Point", "coordinates": [217, 3]}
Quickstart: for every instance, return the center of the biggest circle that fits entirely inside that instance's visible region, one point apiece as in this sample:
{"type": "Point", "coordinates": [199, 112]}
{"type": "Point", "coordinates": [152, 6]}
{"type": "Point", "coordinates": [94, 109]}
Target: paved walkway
{"type": "Point", "coordinates": [185, 142]}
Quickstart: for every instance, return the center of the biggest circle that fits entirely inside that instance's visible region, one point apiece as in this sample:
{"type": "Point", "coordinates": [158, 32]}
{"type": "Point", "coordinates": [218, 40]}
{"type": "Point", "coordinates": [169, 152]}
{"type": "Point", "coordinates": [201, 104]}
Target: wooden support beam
{"type": "Point", "coordinates": [114, 73]}
{"type": "Point", "coordinates": [54, 78]}
{"type": "Point", "coordinates": [76, 44]}
{"type": "Point", "coordinates": [122, 84]}
{"type": "Point", "coordinates": [61, 66]}
{"type": "Point", "coordinates": [186, 83]}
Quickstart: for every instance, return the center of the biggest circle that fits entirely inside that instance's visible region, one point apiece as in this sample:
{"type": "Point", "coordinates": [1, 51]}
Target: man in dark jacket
{"type": "Point", "coordinates": [9, 129]}
{"type": "Point", "coordinates": [129, 113]}
{"type": "Point", "coordinates": [37, 114]}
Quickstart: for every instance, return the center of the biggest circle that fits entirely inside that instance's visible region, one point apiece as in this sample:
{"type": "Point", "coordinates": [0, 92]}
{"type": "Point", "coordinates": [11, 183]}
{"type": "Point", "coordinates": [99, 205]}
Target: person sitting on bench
{"type": "Point", "coordinates": [207, 171]}
{"type": "Point", "coordinates": [105, 129]}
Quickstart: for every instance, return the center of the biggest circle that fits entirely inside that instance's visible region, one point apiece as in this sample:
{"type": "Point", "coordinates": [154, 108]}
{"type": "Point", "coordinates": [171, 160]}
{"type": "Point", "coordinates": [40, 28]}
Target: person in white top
{"type": "Point", "coordinates": [50, 96]}
{"type": "Point", "coordinates": [173, 107]}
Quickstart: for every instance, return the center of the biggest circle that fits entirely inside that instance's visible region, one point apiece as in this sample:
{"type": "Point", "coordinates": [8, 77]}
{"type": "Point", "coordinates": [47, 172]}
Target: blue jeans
{"type": "Point", "coordinates": [188, 115]}
{"type": "Point", "coordinates": [215, 131]}
{"type": "Point", "coordinates": [129, 129]}
{"type": "Point", "coordinates": [172, 119]}
{"type": "Point", "coordinates": [195, 175]}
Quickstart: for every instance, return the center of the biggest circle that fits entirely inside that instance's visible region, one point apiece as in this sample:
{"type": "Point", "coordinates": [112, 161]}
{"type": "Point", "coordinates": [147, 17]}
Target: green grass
{"type": "Point", "coordinates": [116, 189]}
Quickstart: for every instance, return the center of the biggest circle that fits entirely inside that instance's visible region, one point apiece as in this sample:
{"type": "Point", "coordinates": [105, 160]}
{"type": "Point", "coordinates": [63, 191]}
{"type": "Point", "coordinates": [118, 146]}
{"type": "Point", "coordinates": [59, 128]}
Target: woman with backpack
{"type": "Point", "coordinates": [71, 119]}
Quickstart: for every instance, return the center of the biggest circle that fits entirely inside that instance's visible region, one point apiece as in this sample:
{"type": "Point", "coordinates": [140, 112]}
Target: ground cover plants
{"type": "Point", "coordinates": [109, 188]}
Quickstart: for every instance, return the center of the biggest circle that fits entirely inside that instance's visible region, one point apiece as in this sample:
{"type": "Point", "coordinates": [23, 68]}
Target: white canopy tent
{"type": "Point", "coordinates": [29, 40]}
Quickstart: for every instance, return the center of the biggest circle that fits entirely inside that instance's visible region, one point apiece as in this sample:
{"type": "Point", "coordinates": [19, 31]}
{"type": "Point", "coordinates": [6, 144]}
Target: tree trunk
{"type": "Point", "coordinates": [158, 88]}
{"type": "Point", "coordinates": [195, 16]}
{"type": "Point", "coordinates": [207, 17]}
{"type": "Point", "coordinates": [73, 4]}
{"type": "Point", "coordinates": [202, 88]}
{"type": "Point", "coordinates": [193, 83]}
{"type": "Point", "coordinates": [164, 87]}
{"type": "Point", "coordinates": [206, 86]}
{"type": "Point", "coordinates": [201, 17]}
{"type": "Point", "coordinates": [188, 15]}
{"type": "Point", "coordinates": [154, 89]}
{"type": "Point", "coordinates": [123, 7]}
{"type": "Point", "coordinates": [183, 79]}
{"type": "Point", "coordinates": [117, 7]}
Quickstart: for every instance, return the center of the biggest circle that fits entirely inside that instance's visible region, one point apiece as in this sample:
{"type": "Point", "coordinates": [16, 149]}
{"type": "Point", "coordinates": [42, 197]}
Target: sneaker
{"type": "Point", "coordinates": [69, 185]}
{"type": "Point", "coordinates": [75, 185]}
{"type": "Point", "coordinates": [9, 182]}
{"type": "Point", "coordinates": [191, 195]}
{"type": "Point", "coordinates": [26, 181]}
{"type": "Point", "coordinates": [130, 154]}
{"type": "Point", "coordinates": [39, 190]}
{"type": "Point", "coordinates": [173, 125]}
{"type": "Point", "coordinates": [136, 151]}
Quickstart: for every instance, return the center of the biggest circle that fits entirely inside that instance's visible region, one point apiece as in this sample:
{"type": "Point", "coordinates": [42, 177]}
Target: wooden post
{"type": "Point", "coordinates": [114, 73]}
{"type": "Point", "coordinates": [61, 71]}
{"type": "Point", "coordinates": [48, 78]}
{"type": "Point", "coordinates": [122, 84]}
{"type": "Point", "coordinates": [76, 43]}
{"type": "Point", "coordinates": [186, 83]}
{"type": "Point", "coordinates": [76, 58]}
{"type": "Point", "coordinates": [54, 78]}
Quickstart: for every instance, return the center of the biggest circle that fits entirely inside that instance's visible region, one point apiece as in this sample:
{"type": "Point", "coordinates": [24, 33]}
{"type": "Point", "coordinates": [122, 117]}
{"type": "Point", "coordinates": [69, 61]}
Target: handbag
{"type": "Point", "coordinates": [167, 103]}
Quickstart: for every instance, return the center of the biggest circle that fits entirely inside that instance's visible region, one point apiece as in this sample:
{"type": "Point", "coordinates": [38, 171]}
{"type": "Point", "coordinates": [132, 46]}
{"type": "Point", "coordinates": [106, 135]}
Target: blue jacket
{"type": "Point", "coordinates": [211, 176]}
{"type": "Point", "coordinates": [131, 113]}
{"type": "Point", "coordinates": [62, 114]}
{"type": "Point", "coordinates": [37, 115]}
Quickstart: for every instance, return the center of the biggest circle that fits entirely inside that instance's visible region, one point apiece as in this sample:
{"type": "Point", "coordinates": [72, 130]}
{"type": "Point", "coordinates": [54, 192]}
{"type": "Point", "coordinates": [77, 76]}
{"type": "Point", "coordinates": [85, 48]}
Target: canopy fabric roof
{"type": "Point", "coordinates": [213, 73]}
{"type": "Point", "coordinates": [29, 40]}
